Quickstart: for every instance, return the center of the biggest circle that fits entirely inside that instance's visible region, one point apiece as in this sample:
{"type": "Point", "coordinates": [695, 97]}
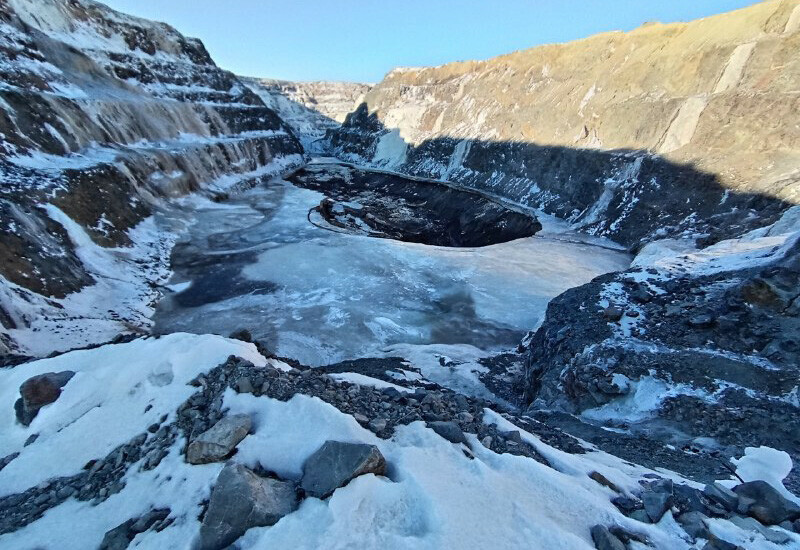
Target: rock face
{"type": "Point", "coordinates": [241, 500]}
{"type": "Point", "coordinates": [103, 115]}
{"type": "Point", "coordinates": [218, 442]}
{"type": "Point", "coordinates": [336, 463]}
{"type": "Point", "coordinates": [629, 135]}
{"type": "Point", "coordinates": [310, 108]}
{"type": "Point", "coordinates": [39, 391]}
{"type": "Point", "coordinates": [388, 206]}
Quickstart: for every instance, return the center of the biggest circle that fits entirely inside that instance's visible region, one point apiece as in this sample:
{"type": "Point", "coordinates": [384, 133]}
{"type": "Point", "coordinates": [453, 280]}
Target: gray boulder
{"type": "Point", "coordinates": [38, 391]}
{"type": "Point", "coordinates": [657, 499]}
{"type": "Point", "coordinates": [218, 442]}
{"type": "Point", "coordinates": [336, 463]}
{"type": "Point", "coordinates": [762, 501]}
{"type": "Point", "coordinates": [241, 500]}
{"type": "Point", "coordinates": [605, 540]}
{"type": "Point", "coordinates": [449, 431]}
{"type": "Point", "coordinates": [722, 495]}
{"type": "Point", "coordinates": [694, 524]}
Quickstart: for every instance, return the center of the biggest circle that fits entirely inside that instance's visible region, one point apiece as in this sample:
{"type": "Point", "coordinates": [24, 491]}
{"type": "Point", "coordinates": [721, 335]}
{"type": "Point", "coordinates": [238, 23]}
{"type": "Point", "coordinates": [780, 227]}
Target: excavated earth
{"type": "Point", "coordinates": [396, 207]}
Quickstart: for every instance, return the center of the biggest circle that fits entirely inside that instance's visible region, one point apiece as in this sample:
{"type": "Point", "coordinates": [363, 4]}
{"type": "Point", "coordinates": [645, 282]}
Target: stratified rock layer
{"type": "Point", "coordinates": [684, 129]}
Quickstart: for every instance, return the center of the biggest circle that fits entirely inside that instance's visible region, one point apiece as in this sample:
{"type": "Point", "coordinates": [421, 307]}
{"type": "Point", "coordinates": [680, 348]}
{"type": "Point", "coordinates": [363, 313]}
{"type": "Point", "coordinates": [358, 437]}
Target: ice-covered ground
{"type": "Point", "coordinates": [320, 296]}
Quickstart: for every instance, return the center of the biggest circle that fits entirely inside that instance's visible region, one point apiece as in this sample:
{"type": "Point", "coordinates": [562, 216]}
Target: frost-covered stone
{"type": "Point", "coordinates": [336, 463]}
{"type": "Point", "coordinates": [241, 500]}
{"type": "Point", "coordinates": [218, 442]}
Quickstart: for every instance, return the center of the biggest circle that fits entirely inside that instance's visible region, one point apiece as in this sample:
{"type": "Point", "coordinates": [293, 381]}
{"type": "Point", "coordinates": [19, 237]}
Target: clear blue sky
{"type": "Point", "coordinates": [361, 40]}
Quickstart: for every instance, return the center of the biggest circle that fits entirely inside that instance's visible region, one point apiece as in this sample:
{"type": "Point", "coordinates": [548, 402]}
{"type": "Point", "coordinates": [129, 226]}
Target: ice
{"type": "Point", "coordinates": [321, 296]}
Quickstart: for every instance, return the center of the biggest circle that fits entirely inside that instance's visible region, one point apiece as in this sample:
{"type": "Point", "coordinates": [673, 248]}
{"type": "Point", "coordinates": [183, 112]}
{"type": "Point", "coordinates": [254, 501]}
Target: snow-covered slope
{"type": "Point", "coordinates": [104, 116]}
{"type": "Point", "coordinates": [120, 428]}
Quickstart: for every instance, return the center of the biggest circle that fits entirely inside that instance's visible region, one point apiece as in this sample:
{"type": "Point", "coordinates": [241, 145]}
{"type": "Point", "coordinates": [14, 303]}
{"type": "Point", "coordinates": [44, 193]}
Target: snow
{"type": "Point", "coordinates": [767, 464]}
{"type": "Point", "coordinates": [105, 404]}
{"type": "Point", "coordinates": [363, 380]}
{"type": "Point", "coordinates": [391, 150]}
{"type": "Point", "coordinates": [644, 398]}
{"type": "Point", "coordinates": [756, 248]}
{"type": "Point", "coordinates": [120, 300]}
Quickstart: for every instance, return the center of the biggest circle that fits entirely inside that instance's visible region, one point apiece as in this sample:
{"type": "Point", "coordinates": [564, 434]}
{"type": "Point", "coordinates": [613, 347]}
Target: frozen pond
{"type": "Point", "coordinates": [320, 296]}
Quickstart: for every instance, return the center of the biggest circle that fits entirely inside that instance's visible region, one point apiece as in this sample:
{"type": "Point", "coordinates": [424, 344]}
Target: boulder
{"type": "Point", "coordinates": [613, 313]}
{"type": "Point", "coordinates": [241, 500]}
{"type": "Point", "coordinates": [605, 540]}
{"type": "Point", "coordinates": [762, 501]}
{"type": "Point", "coordinates": [218, 442]}
{"type": "Point", "coordinates": [694, 524]}
{"type": "Point", "coordinates": [657, 499]}
{"type": "Point", "coordinates": [38, 391]}
{"type": "Point", "coordinates": [120, 537]}
{"type": "Point", "coordinates": [722, 495]}
{"type": "Point", "coordinates": [449, 431]}
{"type": "Point", "coordinates": [336, 463]}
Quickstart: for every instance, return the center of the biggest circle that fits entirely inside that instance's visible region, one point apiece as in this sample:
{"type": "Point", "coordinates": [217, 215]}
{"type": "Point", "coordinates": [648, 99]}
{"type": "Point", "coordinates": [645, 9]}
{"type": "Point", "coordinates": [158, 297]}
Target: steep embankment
{"type": "Point", "coordinates": [666, 138]}
{"type": "Point", "coordinates": [310, 108]}
{"type": "Point", "coordinates": [103, 116]}
{"type": "Point", "coordinates": [669, 130]}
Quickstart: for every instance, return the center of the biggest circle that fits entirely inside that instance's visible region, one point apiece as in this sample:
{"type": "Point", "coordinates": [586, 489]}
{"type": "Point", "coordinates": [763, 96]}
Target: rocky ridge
{"type": "Point", "coordinates": [106, 117]}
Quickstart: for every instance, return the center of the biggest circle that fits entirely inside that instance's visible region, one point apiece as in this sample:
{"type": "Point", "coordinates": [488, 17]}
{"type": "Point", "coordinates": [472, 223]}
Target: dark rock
{"type": "Point", "coordinates": [336, 463]}
{"type": "Point", "coordinates": [242, 334]}
{"type": "Point", "coordinates": [449, 431]}
{"type": "Point", "coordinates": [720, 544]}
{"type": "Point", "coordinates": [241, 500]}
{"type": "Point", "coordinates": [244, 385]}
{"type": "Point", "coordinates": [149, 519]}
{"type": "Point", "coordinates": [39, 391]}
{"type": "Point", "coordinates": [657, 499]}
{"type": "Point", "coordinates": [5, 461]}
{"type": "Point", "coordinates": [722, 495]}
{"type": "Point", "coordinates": [119, 537]}
{"type": "Point", "coordinates": [765, 503]}
{"type": "Point", "coordinates": [613, 313]}
{"type": "Point", "coordinates": [218, 442]}
{"type": "Point", "coordinates": [751, 524]}
{"type": "Point", "coordinates": [604, 540]}
{"type": "Point", "coordinates": [694, 524]}
{"type": "Point", "coordinates": [603, 480]}
{"type": "Point", "coordinates": [703, 320]}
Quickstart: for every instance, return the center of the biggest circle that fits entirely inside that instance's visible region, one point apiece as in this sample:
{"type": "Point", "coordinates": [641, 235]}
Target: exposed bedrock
{"type": "Point", "coordinates": [104, 117]}
{"type": "Point", "coordinates": [388, 206]}
{"type": "Point", "coordinates": [679, 130]}
{"type": "Point", "coordinates": [704, 361]}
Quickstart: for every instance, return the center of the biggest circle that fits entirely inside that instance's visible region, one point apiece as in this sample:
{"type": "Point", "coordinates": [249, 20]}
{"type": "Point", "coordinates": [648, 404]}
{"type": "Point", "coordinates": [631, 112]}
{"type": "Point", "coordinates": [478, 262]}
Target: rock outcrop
{"type": "Point", "coordinates": [685, 129]}
{"type": "Point", "coordinates": [103, 117]}
{"type": "Point", "coordinates": [310, 108]}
